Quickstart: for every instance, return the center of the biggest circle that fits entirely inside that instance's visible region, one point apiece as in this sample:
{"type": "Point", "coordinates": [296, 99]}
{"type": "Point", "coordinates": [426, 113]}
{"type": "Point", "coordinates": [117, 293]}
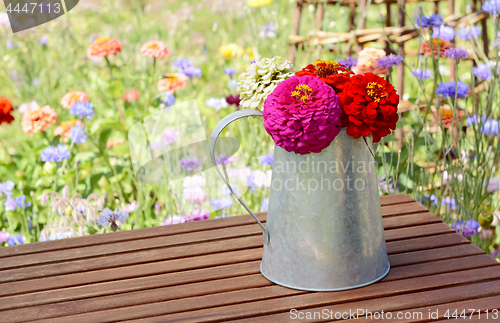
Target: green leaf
{"type": "Point", "coordinates": [116, 88]}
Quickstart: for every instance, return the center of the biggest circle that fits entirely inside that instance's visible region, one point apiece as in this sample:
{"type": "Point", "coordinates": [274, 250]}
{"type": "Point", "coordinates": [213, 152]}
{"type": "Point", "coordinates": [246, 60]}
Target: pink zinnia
{"type": "Point", "coordinates": [104, 47]}
{"type": "Point", "coordinates": [131, 96]}
{"type": "Point", "coordinates": [173, 82]}
{"type": "Point", "coordinates": [302, 114]}
{"type": "Point", "coordinates": [155, 49]}
{"type": "Point", "coordinates": [72, 97]}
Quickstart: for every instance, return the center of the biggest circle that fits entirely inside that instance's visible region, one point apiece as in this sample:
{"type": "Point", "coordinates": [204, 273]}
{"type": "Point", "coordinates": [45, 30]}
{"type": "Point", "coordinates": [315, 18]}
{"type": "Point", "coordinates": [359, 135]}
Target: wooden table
{"type": "Point", "coordinates": [209, 271]}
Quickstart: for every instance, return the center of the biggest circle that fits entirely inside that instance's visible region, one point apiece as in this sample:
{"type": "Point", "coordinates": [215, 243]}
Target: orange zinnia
{"type": "Point", "coordinates": [72, 97]}
{"type": "Point", "coordinates": [367, 62]}
{"type": "Point", "coordinates": [104, 47]}
{"type": "Point", "coordinates": [425, 47]}
{"type": "Point", "coordinates": [155, 49]}
{"type": "Point", "coordinates": [173, 82]}
{"type": "Point", "coordinates": [5, 110]}
{"type": "Point", "coordinates": [330, 72]}
{"type": "Point", "coordinates": [38, 120]}
{"type": "Point", "coordinates": [65, 127]}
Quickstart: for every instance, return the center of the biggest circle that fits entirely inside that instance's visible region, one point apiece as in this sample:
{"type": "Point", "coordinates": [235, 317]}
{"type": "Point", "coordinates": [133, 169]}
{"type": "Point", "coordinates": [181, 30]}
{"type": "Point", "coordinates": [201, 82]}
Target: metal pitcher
{"type": "Point", "coordinates": [324, 224]}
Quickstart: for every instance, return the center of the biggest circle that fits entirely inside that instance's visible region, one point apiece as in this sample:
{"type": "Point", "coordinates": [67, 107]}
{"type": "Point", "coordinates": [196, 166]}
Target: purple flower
{"type": "Point", "coordinates": [197, 215]}
{"type": "Point", "coordinates": [174, 219]}
{"type": "Point", "coordinates": [192, 71]}
{"type": "Point", "coordinates": [182, 63]}
{"type": "Point", "coordinates": [77, 135]}
{"type": "Point", "coordinates": [490, 128]}
{"type": "Point", "coordinates": [451, 89]}
{"type": "Point", "coordinates": [222, 216]}
{"type": "Point", "coordinates": [55, 153]}
{"type": "Point", "coordinates": [10, 203]}
{"type": "Point", "coordinates": [229, 71]}
{"type": "Point", "coordinates": [444, 32]}
{"type": "Point", "coordinates": [227, 192]}
{"type": "Point", "coordinates": [431, 197]}
{"type": "Point", "coordinates": [216, 103]}
{"type": "Point", "coordinates": [493, 185]}
{"type": "Point", "coordinates": [494, 253]}
{"type": "Point", "coordinates": [108, 217]}
{"type": "Point", "coordinates": [492, 6]}
{"type": "Point", "coordinates": [6, 187]}
{"type": "Point", "coordinates": [267, 160]}
{"type": "Point", "coordinates": [389, 61]}
{"type": "Point", "coordinates": [168, 99]}
{"type": "Point", "coordinates": [449, 202]}
{"type": "Point", "coordinates": [474, 119]}
{"type": "Point", "coordinates": [191, 163]}
{"type": "Point", "coordinates": [4, 236]}
{"type": "Point", "coordinates": [349, 62]}
{"type": "Point", "coordinates": [267, 31]}
{"type": "Point", "coordinates": [82, 109]}
{"type": "Point", "coordinates": [233, 99]}
{"type": "Point", "coordinates": [21, 202]}
{"type": "Point", "coordinates": [434, 21]}
{"type": "Point", "coordinates": [468, 230]}
{"type": "Point", "coordinates": [449, 154]}
{"type": "Point", "coordinates": [456, 53]}
{"type": "Point", "coordinates": [496, 41]}
{"type": "Point", "coordinates": [16, 240]}
{"type": "Point", "coordinates": [44, 39]}
{"type": "Point", "coordinates": [482, 71]}
{"type": "Point", "coordinates": [222, 159]}
{"type": "Point", "coordinates": [466, 33]}
{"type": "Point", "coordinates": [264, 206]}
{"type": "Point", "coordinates": [222, 203]}
{"type": "Point", "coordinates": [170, 136]}
{"type": "Point", "coordinates": [422, 74]}
{"type": "Point", "coordinates": [10, 44]}
{"type": "Point", "coordinates": [195, 194]}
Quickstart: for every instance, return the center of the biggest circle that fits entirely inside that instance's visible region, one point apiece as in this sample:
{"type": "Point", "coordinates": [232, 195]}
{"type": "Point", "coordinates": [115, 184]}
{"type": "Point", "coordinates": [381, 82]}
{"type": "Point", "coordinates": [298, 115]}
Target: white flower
{"type": "Point", "coordinates": [196, 194]}
{"type": "Point", "coordinates": [260, 79]}
{"type": "Point", "coordinates": [194, 181]}
{"type": "Point", "coordinates": [25, 107]}
{"type": "Point", "coordinates": [4, 20]}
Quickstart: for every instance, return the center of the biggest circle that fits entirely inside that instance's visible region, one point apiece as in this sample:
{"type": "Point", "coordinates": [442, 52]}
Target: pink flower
{"type": "Point", "coordinates": [425, 47]}
{"type": "Point", "coordinates": [131, 96]}
{"type": "Point", "coordinates": [173, 82]}
{"type": "Point", "coordinates": [155, 49]}
{"type": "Point", "coordinates": [72, 97]}
{"type": "Point", "coordinates": [302, 114]}
{"type": "Point", "coordinates": [38, 120]}
{"type": "Point", "coordinates": [104, 47]}
{"type": "Point", "coordinates": [367, 62]}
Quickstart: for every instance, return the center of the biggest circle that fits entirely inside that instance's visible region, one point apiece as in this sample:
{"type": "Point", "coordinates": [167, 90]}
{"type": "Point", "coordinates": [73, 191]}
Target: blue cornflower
{"type": "Point", "coordinates": [190, 163]}
{"type": "Point", "coordinates": [182, 63]}
{"type": "Point", "coordinates": [456, 53]}
{"type": "Point", "coordinates": [469, 229]}
{"type": "Point", "coordinates": [227, 192]}
{"type": "Point", "coordinates": [192, 71]}
{"type": "Point", "coordinates": [216, 103]}
{"type": "Point", "coordinates": [448, 89]}
{"type": "Point", "coordinates": [267, 31]}
{"type": "Point", "coordinates": [222, 216]}
{"type": "Point", "coordinates": [168, 99]}
{"type": "Point", "coordinates": [490, 128]}
{"type": "Point", "coordinates": [21, 202]}
{"type": "Point", "coordinates": [10, 44]}
{"type": "Point", "coordinates": [449, 202]}
{"type": "Point", "coordinates": [389, 61]}
{"type": "Point", "coordinates": [82, 109]}
{"type": "Point", "coordinates": [16, 239]}
{"type": "Point", "coordinates": [430, 197]}
{"type": "Point", "coordinates": [433, 21]}
{"type": "Point", "coordinates": [6, 187]}
{"type": "Point", "coordinates": [267, 160]}
{"type": "Point", "coordinates": [492, 6]}
{"type": "Point", "coordinates": [222, 203]}
{"type": "Point", "coordinates": [349, 62]}
{"type": "Point", "coordinates": [482, 71]}
{"type": "Point", "coordinates": [465, 33]}
{"type": "Point", "coordinates": [229, 71]}
{"type": "Point", "coordinates": [264, 206]}
{"type": "Point", "coordinates": [496, 41]}
{"type": "Point", "coordinates": [422, 74]}
{"type": "Point", "coordinates": [10, 203]}
{"type": "Point", "coordinates": [474, 119]}
{"type": "Point", "coordinates": [55, 153]}
{"type": "Point", "coordinates": [77, 135]}
{"type": "Point", "coordinates": [444, 32]}
{"type": "Point", "coordinates": [108, 217]}
{"type": "Point", "coordinates": [43, 40]}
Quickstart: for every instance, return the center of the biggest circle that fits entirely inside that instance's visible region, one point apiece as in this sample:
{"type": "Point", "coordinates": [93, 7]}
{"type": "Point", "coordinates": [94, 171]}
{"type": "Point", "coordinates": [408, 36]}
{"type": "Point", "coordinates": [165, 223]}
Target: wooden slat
{"type": "Point", "coordinates": [213, 287]}
{"type": "Point", "coordinates": [148, 233]}
{"type": "Point", "coordinates": [422, 291]}
{"type": "Point", "coordinates": [168, 240]}
{"type": "Point", "coordinates": [122, 284]}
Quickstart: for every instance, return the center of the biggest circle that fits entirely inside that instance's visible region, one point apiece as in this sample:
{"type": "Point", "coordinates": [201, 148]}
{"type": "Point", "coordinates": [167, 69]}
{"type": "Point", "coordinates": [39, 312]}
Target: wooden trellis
{"type": "Point", "coordinates": [359, 35]}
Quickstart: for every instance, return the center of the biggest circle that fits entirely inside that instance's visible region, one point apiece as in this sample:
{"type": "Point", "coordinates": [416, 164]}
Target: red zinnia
{"type": "Point", "coordinates": [371, 103]}
{"type": "Point", "coordinates": [330, 72]}
{"type": "Point", "coordinates": [5, 109]}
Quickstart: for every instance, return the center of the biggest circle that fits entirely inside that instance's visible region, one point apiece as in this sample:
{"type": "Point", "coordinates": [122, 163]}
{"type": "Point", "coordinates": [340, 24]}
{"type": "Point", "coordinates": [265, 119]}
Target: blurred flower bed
{"type": "Point", "coordinates": [71, 90]}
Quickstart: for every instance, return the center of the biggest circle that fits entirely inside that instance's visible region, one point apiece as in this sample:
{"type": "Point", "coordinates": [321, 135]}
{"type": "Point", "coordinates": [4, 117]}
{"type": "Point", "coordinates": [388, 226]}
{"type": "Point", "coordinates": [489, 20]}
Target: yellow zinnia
{"type": "Point", "coordinates": [259, 3]}
{"type": "Point", "coordinates": [231, 50]}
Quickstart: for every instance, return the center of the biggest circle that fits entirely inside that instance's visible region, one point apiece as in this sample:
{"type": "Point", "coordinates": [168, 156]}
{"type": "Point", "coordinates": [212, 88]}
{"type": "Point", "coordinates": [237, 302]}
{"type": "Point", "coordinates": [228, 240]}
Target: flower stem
{"type": "Point", "coordinates": [110, 67]}
{"type": "Point", "coordinates": [151, 83]}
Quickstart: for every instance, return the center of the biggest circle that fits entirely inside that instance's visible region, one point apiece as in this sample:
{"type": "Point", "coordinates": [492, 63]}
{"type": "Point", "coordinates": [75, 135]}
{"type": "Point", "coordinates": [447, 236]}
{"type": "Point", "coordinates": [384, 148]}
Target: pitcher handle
{"type": "Point", "coordinates": [213, 139]}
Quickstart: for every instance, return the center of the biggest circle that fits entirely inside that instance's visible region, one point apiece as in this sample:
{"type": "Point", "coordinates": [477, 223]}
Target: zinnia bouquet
{"type": "Point", "coordinates": [304, 112]}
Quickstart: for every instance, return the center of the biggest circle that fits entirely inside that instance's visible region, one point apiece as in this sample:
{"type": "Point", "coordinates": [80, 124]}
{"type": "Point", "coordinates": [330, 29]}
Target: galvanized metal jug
{"type": "Point", "coordinates": [324, 224]}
